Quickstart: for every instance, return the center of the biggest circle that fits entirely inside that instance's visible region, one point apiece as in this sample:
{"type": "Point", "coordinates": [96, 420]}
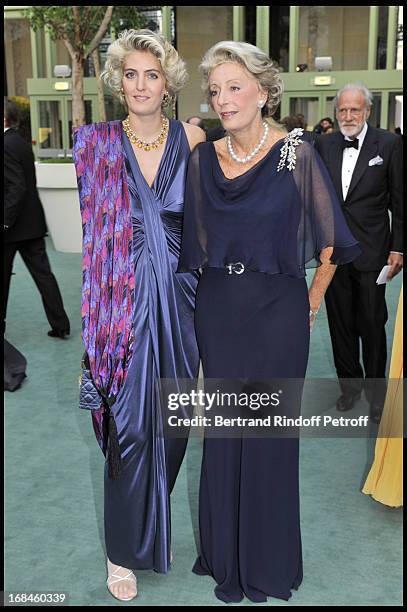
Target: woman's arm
{"type": "Point", "coordinates": [322, 278]}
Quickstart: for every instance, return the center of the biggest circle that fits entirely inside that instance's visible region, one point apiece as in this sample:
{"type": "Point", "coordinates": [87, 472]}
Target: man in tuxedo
{"type": "Point", "coordinates": [24, 224]}
{"type": "Point", "coordinates": [366, 167]}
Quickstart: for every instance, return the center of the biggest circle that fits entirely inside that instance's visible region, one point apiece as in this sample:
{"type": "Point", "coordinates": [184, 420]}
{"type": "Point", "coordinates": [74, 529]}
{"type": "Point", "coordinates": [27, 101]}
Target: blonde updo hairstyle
{"type": "Point", "coordinates": [172, 65]}
{"type": "Point", "coordinates": [256, 62]}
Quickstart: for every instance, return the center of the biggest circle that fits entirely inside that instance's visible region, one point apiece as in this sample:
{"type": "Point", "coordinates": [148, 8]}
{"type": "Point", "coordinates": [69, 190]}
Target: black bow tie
{"type": "Point", "coordinates": [351, 143]}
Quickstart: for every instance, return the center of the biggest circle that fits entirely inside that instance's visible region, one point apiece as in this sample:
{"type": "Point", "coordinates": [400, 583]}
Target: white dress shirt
{"type": "Point", "coordinates": [349, 159]}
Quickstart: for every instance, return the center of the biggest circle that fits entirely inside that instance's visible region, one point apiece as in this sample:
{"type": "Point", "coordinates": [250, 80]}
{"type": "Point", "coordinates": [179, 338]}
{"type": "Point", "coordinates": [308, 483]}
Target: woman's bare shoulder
{"type": "Point", "coordinates": [195, 134]}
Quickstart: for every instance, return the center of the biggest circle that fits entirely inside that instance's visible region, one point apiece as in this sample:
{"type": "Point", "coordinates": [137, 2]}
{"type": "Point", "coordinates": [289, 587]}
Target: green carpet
{"type": "Point", "coordinates": [54, 483]}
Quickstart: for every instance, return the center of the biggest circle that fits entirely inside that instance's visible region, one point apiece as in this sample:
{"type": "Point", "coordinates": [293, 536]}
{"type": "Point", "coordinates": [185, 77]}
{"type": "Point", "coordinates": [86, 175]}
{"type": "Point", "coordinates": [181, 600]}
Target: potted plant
{"type": "Point", "coordinates": [58, 189]}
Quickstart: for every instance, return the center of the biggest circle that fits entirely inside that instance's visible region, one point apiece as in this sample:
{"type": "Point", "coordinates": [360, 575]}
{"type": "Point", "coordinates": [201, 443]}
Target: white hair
{"type": "Point", "coordinates": [258, 63]}
{"type": "Point", "coordinates": [355, 87]}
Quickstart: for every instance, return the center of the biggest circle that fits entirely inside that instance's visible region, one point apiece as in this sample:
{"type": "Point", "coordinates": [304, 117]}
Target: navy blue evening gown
{"type": "Point", "coordinates": [255, 325]}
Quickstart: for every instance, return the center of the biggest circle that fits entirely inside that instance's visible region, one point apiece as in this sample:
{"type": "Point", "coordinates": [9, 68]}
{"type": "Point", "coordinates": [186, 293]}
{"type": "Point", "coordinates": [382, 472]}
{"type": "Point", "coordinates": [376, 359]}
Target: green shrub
{"type": "Point", "coordinates": [55, 160]}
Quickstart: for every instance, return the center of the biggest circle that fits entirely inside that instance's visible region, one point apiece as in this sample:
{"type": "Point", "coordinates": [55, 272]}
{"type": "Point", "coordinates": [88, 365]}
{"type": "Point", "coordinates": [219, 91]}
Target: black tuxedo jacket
{"type": "Point", "coordinates": [23, 212]}
{"type": "Point", "coordinates": [373, 191]}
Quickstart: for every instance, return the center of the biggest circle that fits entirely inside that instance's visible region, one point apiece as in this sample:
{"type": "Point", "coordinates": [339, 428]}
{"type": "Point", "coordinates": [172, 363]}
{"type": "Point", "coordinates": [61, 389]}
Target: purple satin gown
{"type": "Point", "coordinates": [137, 506]}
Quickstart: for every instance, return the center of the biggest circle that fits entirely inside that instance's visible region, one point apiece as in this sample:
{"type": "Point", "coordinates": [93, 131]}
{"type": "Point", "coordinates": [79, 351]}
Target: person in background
{"type": "Point", "coordinates": [301, 121]}
{"type": "Point", "coordinates": [324, 125]}
{"type": "Point", "coordinates": [25, 226]}
{"type": "Point", "coordinates": [366, 167]}
{"type": "Point", "coordinates": [196, 121]}
{"type": "Point", "coordinates": [215, 133]}
{"type": "Point", "coordinates": [385, 479]}
{"type": "Point", "coordinates": [296, 121]}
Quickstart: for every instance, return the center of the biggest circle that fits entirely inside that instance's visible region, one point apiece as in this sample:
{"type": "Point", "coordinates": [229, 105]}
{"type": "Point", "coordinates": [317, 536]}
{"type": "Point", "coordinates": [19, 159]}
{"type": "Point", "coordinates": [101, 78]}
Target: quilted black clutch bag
{"type": "Point", "coordinates": [89, 396]}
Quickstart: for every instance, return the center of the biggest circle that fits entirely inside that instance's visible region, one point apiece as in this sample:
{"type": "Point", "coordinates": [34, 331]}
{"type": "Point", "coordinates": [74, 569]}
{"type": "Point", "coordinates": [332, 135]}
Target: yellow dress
{"type": "Point", "coordinates": [385, 479]}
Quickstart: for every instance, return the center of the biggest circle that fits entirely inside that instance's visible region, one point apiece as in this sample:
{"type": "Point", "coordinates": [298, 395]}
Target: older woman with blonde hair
{"type": "Point", "coordinates": [137, 314]}
{"type": "Point", "coordinates": [259, 209]}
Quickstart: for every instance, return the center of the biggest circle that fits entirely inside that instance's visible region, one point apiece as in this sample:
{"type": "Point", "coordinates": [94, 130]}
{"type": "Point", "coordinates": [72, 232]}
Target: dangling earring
{"type": "Point", "coordinates": [166, 99]}
{"type": "Point", "coordinates": [260, 103]}
{"type": "Point", "coordinates": [122, 97]}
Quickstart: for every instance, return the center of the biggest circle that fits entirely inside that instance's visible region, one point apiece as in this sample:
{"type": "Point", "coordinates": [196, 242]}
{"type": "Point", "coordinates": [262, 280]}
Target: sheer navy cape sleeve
{"type": "Point", "coordinates": [272, 221]}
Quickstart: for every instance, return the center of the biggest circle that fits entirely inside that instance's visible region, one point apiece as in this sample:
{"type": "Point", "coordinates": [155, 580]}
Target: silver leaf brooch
{"type": "Point", "coordinates": [287, 152]}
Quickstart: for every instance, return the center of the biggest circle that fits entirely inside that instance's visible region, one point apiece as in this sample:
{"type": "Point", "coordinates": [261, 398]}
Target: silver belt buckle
{"type": "Point", "coordinates": [237, 268]}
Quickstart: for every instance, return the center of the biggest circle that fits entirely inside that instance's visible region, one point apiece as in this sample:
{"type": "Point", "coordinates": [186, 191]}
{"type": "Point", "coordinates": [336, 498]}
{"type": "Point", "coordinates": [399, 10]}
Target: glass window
{"type": "Point", "coordinates": [307, 107]}
{"type": "Point", "coordinates": [250, 24]}
{"type": "Point", "coordinates": [399, 40]}
{"type": "Point", "coordinates": [88, 117]}
{"type": "Point", "coordinates": [339, 32]}
{"type": "Point", "coordinates": [89, 69]}
{"type": "Point", "coordinates": [103, 47]}
{"type": "Point", "coordinates": [329, 107]}
{"type": "Point", "coordinates": [114, 110]}
{"type": "Point", "coordinates": [395, 116]}
{"type": "Point", "coordinates": [330, 110]}
{"type": "Point", "coordinates": [152, 17]}
{"type": "Point", "coordinates": [375, 110]}
{"type": "Point", "coordinates": [50, 125]}
{"type": "Point", "coordinates": [382, 37]}
{"type": "Point", "coordinates": [17, 48]}
{"type": "Point", "coordinates": [197, 29]}
{"type": "Point", "coordinates": [279, 34]}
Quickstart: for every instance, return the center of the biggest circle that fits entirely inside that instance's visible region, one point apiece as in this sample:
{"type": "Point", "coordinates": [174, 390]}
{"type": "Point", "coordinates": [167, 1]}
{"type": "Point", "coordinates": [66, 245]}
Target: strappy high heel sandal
{"type": "Point", "coordinates": [113, 578]}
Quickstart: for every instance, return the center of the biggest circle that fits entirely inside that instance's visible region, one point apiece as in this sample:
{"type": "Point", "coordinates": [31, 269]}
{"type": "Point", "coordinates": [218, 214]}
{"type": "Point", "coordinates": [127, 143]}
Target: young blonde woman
{"type": "Point", "coordinates": [137, 313]}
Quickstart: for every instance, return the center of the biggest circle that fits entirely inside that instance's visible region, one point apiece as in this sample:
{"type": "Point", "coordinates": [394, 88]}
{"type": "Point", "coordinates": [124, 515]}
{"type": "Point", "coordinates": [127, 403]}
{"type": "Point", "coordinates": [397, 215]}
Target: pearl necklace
{"type": "Point", "coordinates": [243, 160]}
{"type": "Point", "coordinates": [147, 146]}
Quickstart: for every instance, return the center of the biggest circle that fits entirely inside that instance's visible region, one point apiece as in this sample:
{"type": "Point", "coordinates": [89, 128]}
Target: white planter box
{"type": "Point", "coordinates": [58, 191]}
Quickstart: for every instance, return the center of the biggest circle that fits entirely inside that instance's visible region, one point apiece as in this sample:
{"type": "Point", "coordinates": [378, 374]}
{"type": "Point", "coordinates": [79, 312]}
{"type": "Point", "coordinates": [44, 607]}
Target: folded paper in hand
{"type": "Point", "coordinates": [382, 278]}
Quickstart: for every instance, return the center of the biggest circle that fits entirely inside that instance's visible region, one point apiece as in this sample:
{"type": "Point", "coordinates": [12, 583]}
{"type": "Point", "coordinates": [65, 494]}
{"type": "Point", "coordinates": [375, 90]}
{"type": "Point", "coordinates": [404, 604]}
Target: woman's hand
{"type": "Point", "coordinates": [312, 317]}
{"type": "Point", "coordinates": [322, 277]}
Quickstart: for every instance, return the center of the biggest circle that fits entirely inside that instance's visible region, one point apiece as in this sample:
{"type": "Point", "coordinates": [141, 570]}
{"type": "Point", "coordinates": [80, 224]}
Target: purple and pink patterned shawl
{"type": "Point", "coordinates": [108, 273]}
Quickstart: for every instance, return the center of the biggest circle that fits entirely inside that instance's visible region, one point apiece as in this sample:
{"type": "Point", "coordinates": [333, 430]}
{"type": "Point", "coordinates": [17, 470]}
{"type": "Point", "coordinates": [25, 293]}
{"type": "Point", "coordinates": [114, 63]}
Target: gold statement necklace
{"type": "Point", "coordinates": [141, 144]}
